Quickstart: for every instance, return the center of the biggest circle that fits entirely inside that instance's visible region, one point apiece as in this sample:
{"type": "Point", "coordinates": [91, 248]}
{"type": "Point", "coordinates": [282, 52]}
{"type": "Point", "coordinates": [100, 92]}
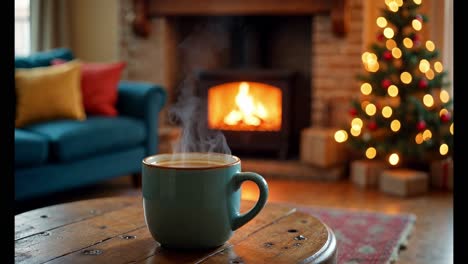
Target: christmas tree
{"type": "Point", "coordinates": [404, 114]}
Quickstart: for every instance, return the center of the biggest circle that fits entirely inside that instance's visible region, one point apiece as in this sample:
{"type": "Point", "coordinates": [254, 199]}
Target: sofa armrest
{"type": "Point", "coordinates": [142, 100]}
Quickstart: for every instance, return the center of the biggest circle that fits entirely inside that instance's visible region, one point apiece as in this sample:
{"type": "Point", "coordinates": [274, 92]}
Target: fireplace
{"type": "Point", "coordinates": [251, 98]}
{"type": "Point", "coordinates": [304, 40]}
{"type": "Point", "coordinates": [251, 107]}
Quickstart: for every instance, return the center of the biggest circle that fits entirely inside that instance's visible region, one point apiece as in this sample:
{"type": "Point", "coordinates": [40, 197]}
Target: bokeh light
{"type": "Point", "coordinates": [444, 96]}
{"type": "Point", "coordinates": [366, 88]}
{"type": "Point", "coordinates": [396, 53]}
{"type": "Point", "coordinates": [424, 65]}
{"type": "Point", "coordinates": [381, 22]}
{"type": "Point", "coordinates": [408, 43]}
{"type": "Point", "coordinates": [443, 149]}
{"type": "Point", "coordinates": [392, 90]}
{"type": "Point", "coordinates": [393, 159]}
{"type": "Point", "coordinates": [428, 100]}
{"type": "Point", "coordinates": [388, 32]}
{"type": "Point", "coordinates": [405, 77]}
{"type": "Point", "coordinates": [430, 46]}
{"type": "Point", "coordinates": [341, 136]}
{"type": "Point", "coordinates": [395, 125]}
{"type": "Point", "coordinates": [417, 25]}
{"type": "Point", "coordinates": [371, 152]}
{"type": "Point", "coordinates": [387, 111]}
{"type": "Point", "coordinates": [371, 109]}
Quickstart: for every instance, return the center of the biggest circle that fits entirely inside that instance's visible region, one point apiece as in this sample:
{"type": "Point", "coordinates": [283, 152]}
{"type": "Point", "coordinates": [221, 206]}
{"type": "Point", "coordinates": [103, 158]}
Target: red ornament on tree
{"type": "Point", "coordinates": [372, 125]}
{"type": "Point", "coordinates": [421, 125]}
{"type": "Point", "coordinates": [386, 83]}
{"type": "Point", "coordinates": [419, 17]}
{"type": "Point", "coordinates": [353, 112]}
{"type": "Point", "coordinates": [422, 84]}
{"type": "Point", "coordinates": [445, 117]}
{"type": "Point", "coordinates": [380, 37]}
{"type": "Point", "coordinates": [378, 106]}
{"type": "Point", "coordinates": [416, 40]}
{"type": "Point", "coordinates": [387, 55]}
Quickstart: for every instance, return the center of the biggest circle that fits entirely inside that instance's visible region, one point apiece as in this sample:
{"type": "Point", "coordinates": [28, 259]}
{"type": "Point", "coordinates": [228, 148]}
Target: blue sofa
{"type": "Point", "coordinates": [62, 154]}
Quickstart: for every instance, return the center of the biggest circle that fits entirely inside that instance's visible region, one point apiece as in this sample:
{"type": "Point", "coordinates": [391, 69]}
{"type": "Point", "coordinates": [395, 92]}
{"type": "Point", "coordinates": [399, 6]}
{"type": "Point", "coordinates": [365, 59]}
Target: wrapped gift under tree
{"type": "Point", "coordinates": [441, 174]}
{"type": "Point", "coordinates": [404, 182]}
{"type": "Point", "coordinates": [319, 149]}
{"type": "Point", "coordinates": [366, 173]}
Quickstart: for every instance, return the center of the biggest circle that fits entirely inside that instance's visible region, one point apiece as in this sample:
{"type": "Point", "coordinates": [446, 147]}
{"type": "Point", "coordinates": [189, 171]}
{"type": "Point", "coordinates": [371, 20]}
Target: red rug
{"type": "Point", "coordinates": [365, 237]}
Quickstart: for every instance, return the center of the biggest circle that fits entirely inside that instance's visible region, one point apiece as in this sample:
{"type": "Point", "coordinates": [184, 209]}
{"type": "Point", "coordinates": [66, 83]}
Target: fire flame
{"type": "Point", "coordinates": [247, 111]}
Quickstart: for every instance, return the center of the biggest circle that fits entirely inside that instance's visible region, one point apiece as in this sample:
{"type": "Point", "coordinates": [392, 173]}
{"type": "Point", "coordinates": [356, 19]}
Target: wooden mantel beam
{"type": "Point", "coordinates": [145, 9]}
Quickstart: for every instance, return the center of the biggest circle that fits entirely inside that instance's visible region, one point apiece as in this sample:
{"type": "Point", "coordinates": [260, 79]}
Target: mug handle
{"type": "Point", "coordinates": [241, 219]}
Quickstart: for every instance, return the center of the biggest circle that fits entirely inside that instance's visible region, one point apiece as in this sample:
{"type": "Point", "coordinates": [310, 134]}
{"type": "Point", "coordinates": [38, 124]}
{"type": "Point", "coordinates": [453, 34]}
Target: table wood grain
{"type": "Point", "coordinates": [113, 230]}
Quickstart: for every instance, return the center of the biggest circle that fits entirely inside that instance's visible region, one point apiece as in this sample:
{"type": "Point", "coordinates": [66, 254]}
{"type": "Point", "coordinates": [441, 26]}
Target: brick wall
{"type": "Point", "coordinates": [335, 63]}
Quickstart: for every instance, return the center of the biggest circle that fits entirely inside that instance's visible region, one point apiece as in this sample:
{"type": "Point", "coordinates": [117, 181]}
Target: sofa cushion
{"type": "Point", "coordinates": [30, 148]}
{"type": "Point", "coordinates": [47, 93]}
{"type": "Point", "coordinates": [71, 139]}
{"type": "Point", "coordinates": [99, 86]}
{"type": "Point", "coordinates": [43, 58]}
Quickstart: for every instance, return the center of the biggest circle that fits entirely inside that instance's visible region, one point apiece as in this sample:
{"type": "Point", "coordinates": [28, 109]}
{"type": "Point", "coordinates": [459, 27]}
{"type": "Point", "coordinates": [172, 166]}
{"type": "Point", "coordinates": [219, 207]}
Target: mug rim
{"type": "Point", "coordinates": [236, 161]}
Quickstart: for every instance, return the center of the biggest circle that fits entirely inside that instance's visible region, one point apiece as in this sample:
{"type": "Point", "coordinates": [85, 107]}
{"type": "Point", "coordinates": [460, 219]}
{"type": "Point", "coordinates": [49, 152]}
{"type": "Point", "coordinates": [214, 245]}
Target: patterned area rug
{"type": "Point", "coordinates": [365, 237]}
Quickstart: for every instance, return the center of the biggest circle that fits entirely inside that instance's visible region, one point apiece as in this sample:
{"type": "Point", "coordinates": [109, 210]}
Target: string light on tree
{"type": "Point", "coordinates": [419, 138]}
{"type": "Point", "coordinates": [393, 159]}
{"type": "Point", "coordinates": [430, 74]}
{"type": "Point", "coordinates": [366, 89]}
{"type": "Point", "coordinates": [388, 32]}
{"type": "Point", "coordinates": [444, 96]}
{"type": "Point", "coordinates": [392, 90]}
{"type": "Point", "coordinates": [403, 114]}
{"type": "Point", "coordinates": [381, 22]}
{"type": "Point", "coordinates": [341, 136]}
{"type": "Point", "coordinates": [424, 65]}
{"type": "Point", "coordinates": [428, 100]}
{"type": "Point", "coordinates": [438, 67]}
{"type": "Point", "coordinates": [371, 152]}
{"type": "Point", "coordinates": [396, 53]}
{"type": "Point", "coordinates": [371, 109]}
{"type": "Point", "coordinates": [406, 77]}
{"type": "Point", "coordinates": [443, 149]}
{"type": "Point", "coordinates": [426, 135]}
{"type": "Point", "coordinates": [430, 46]}
{"type": "Point", "coordinates": [390, 44]}
{"type": "Point", "coordinates": [417, 25]}
{"type": "Point", "coordinates": [387, 111]}
{"type": "Point", "coordinates": [408, 43]}
{"type": "Point", "coordinates": [395, 125]}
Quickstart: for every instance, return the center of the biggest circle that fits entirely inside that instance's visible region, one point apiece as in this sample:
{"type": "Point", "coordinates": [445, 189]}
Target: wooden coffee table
{"type": "Point", "coordinates": [113, 230]}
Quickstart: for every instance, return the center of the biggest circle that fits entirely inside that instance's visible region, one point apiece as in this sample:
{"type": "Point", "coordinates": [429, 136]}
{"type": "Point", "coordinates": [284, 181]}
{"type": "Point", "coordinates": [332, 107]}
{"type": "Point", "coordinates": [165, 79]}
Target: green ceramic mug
{"type": "Point", "coordinates": [192, 200]}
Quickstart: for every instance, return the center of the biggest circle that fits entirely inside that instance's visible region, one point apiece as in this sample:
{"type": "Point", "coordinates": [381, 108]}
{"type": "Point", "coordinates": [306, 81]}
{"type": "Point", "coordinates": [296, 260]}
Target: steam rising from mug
{"type": "Point", "coordinates": [188, 111]}
{"type": "Point", "coordinates": [195, 137]}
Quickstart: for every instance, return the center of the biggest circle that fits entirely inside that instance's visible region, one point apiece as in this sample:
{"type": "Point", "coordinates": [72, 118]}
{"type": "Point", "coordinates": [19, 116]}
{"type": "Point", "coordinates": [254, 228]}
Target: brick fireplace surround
{"type": "Point", "coordinates": [335, 59]}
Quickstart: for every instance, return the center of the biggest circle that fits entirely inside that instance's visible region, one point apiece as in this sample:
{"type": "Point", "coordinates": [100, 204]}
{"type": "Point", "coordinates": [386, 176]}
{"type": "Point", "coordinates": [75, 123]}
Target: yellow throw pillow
{"type": "Point", "coordinates": [47, 93]}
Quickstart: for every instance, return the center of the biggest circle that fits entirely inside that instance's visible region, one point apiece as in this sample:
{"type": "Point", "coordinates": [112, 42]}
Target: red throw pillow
{"type": "Point", "coordinates": [99, 83]}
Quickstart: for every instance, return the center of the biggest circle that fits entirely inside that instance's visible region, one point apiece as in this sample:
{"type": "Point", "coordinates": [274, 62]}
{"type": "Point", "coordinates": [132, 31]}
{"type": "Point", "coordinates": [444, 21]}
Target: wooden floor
{"type": "Point", "coordinates": [431, 240]}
